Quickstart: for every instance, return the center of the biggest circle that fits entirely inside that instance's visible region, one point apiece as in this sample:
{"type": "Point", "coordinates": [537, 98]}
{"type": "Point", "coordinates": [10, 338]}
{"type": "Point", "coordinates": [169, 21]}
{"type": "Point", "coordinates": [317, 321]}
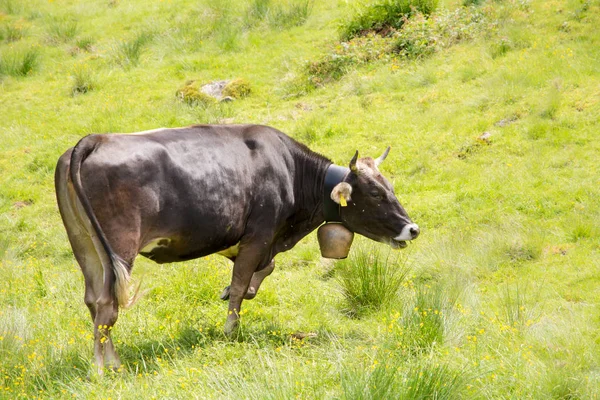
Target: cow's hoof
{"type": "Point", "coordinates": [225, 293]}
{"type": "Point", "coordinates": [230, 327]}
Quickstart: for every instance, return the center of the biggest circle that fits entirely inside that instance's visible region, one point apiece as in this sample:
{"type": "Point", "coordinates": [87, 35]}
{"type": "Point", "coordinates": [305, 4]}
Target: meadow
{"type": "Point", "coordinates": [492, 110]}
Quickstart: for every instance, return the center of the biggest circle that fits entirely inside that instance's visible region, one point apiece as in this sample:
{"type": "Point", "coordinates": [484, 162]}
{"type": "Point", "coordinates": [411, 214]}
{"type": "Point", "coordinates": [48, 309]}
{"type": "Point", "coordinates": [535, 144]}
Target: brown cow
{"type": "Point", "coordinates": [247, 192]}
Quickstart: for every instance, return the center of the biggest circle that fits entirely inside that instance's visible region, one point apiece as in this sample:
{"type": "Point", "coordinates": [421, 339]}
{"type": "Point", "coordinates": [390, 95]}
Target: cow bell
{"type": "Point", "coordinates": [334, 240]}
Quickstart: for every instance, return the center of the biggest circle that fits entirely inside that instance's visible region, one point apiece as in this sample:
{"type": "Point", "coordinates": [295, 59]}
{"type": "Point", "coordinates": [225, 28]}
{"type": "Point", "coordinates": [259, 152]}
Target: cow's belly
{"type": "Point", "coordinates": [166, 250]}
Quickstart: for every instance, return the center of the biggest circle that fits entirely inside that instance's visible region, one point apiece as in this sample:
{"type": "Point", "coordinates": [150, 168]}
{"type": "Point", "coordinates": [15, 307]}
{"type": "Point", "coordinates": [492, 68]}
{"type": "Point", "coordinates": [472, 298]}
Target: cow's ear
{"type": "Point", "coordinates": [341, 193]}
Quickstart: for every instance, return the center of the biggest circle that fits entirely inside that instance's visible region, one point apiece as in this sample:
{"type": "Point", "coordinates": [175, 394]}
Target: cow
{"type": "Point", "coordinates": [247, 192]}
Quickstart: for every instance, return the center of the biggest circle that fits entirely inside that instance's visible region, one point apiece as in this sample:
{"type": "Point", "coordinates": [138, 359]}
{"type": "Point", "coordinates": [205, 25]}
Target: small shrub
{"type": "Point", "coordinates": [330, 68]}
{"type": "Point", "coordinates": [19, 63]}
{"type": "Point", "coordinates": [501, 47]}
{"type": "Point", "coordinates": [237, 88]}
{"type": "Point", "coordinates": [83, 80]}
{"type": "Point", "coordinates": [344, 57]}
{"type": "Point", "coordinates": [421, 36]}
{"type": "Point", "coordinates": [62, 30]}
{"type": "Point", "coordinates": [128, 53]}
{"type": "Point", "coordinates": [370, 280]}
{"type": "Point", "coordinates": [191, 95]}
{"type": "Point", "coordinates": [385, 16]}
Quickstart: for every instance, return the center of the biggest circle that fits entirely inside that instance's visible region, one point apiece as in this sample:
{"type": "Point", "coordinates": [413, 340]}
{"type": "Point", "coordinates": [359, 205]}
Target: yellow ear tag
{"type": "Point", "coordinates": [343, 201]}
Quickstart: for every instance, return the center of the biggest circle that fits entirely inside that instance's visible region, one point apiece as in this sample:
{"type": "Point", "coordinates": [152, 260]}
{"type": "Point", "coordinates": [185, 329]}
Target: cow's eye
{"type": "Point", "coordinates": [376, 195]}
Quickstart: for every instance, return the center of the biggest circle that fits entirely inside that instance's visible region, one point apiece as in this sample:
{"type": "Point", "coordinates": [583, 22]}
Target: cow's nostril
{"type": "Point", "coordinates": [414, 231]}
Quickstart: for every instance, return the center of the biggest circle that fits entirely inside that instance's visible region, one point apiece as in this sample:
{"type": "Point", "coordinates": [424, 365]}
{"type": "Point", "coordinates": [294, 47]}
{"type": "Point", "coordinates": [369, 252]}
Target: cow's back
{"type": "Point", "coordinates": [199, 187]}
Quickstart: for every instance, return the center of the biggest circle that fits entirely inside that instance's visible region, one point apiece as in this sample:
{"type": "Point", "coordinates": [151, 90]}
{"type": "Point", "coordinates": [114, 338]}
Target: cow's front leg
{"type": "Point", "coordinates": [257, 279]}
{"type": "Point", "coordinates": [246, 263]}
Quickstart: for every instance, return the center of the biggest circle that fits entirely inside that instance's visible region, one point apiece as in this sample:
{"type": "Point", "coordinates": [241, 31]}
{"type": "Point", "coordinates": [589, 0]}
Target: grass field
{"type": "Point", "coordinates": [493, 116]}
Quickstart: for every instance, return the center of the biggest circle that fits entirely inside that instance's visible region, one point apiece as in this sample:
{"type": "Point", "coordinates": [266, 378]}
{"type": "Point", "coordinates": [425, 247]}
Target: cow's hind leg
{"type": "Point", "coordinates": [257, 279]}
{"type": "Point", "coordinates": [92, 261]}
{"type": "Point", "coordinates": [93, 272]}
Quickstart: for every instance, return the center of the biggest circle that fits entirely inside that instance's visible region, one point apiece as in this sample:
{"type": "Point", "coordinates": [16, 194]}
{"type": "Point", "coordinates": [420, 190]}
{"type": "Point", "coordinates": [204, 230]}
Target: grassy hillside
{"type": "Point", "coordinates": [492, 112]}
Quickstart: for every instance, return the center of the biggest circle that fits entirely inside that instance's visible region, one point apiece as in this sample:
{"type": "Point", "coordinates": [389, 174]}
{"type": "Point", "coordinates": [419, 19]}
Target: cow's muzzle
{"type": "Point", "coordinates": [409, 232]}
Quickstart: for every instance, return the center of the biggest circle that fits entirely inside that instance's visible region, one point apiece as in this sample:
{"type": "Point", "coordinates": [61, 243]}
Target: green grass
{"type": "Point", "coordinates": [509, 241]}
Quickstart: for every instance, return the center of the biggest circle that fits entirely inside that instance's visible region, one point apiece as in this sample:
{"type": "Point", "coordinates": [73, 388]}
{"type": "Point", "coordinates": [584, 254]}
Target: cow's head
{"type": "Point", "coordinates": [370, 207]}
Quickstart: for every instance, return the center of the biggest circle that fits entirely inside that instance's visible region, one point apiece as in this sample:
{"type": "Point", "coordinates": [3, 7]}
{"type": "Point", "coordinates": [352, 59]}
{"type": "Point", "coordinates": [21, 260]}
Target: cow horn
{"type": "Point", "coordinates": [382, 157]}
{"type": "Point", "coordinates": [353, 163]}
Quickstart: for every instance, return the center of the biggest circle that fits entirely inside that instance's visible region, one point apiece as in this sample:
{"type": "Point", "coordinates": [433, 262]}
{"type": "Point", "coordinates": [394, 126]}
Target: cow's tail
{"type": "Point", "coordinates": [120, 280]}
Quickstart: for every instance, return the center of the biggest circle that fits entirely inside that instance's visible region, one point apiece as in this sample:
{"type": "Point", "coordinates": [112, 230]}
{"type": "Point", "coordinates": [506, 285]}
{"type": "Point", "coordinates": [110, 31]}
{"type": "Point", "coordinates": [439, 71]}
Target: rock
{"type": "Point", "coordinates": [218, 91]}
{"type": "Point", "coordinates": [485, 137]}
{"type": "Point", "coordinates": [214, 89]}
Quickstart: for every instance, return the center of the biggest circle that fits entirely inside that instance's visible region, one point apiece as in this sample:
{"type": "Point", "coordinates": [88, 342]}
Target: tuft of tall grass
{"type": "Point", "coordinates": [62, 30]}
{"type": "Point", "coordinates": [257, 11]}
{"type": "Point", "coordinates": [377, 381]}
{"type": "Point", "coordinates": [11, 6]}
{"type": "Point", "coordinates": [370, 279]}
{"type": "Point", "coordinates": [127, 53]}
{"type": "Point", "coordinates": [19, 63]}
{"type": "Point", "coordinates": [584, 229]}
{"type": "Point", "coordinates": [386, 378]}
{"type": "Point", "coordinates": [215, 113]}
{"type": "Point", "coordinates": [295, 14]}
{"type": "Point", "coordinates": [83, 79]}
{"type": "Point", "coordinates": [85, 43]}
{"type": "Point", "coordinates": [384, 15]}
{"type": "Point", "coordinates": [227, 33]}
{"type": "Point", "coordinates": [432, 381]}
{"type": "Point", "coordinates": [12, 33]}
{"type": "Point", "coordinates": [519, 306]}
{"type": "Point", "coordinates": [278, 16]}
{"type": "Point", "coordinates": [423, 322]}
{"type": "Point", "coordinates": [551, 103]}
